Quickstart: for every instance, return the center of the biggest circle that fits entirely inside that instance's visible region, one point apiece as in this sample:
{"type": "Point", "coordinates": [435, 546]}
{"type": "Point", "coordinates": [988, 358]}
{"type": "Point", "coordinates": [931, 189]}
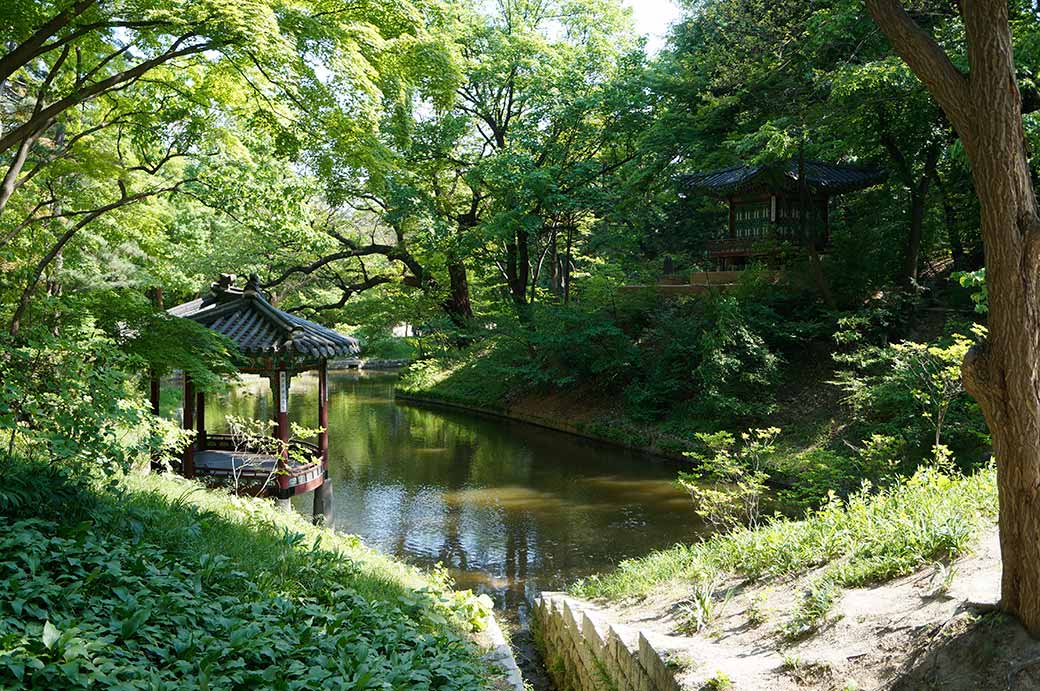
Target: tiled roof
{"type": "Point", "coordinates": [258, 328]}
{"type": "Point", "coordinates": [820, 177]}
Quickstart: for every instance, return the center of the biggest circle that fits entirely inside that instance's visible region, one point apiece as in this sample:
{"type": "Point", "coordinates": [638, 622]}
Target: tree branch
{"type": "Point", "coordinates": [41, 119]}
{"type": "Point", "coordinates": [55, 250]}
{"type": "Point", "coordinates": [947, 84]}
{"type": "Point", "coordinates": [34, 46]}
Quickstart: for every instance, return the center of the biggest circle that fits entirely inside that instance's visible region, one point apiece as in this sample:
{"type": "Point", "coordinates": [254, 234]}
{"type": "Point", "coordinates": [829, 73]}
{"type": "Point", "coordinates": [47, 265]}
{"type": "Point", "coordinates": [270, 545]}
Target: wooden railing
{"type": "Point", "coordinates": [226, 442]}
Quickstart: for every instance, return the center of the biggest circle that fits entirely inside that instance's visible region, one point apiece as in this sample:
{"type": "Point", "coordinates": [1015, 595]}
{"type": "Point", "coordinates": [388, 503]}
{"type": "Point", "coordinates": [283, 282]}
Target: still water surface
{"type": "Point", "coordinates": [510, 509]}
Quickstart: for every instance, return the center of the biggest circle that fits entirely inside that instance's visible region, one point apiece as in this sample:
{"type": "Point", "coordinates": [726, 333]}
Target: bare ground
{"type": "Point", "coordinates": [905, 634]}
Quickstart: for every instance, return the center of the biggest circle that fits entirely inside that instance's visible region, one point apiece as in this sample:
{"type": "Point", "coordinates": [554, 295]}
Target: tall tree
{"type": "Point", "coordinates": [984, 104]}
{"type": "Point", "coordinates": [106, 101]}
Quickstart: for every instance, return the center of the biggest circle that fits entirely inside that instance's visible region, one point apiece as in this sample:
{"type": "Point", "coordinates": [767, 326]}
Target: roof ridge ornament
{"type": "Point", "coordinates": [253, 285]}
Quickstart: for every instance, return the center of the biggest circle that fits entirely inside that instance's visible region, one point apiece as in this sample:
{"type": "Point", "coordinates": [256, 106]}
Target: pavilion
{"type": "Point", "coordinates": [766, 204]}
{"type": "Point", "coordinates": [276, 345]}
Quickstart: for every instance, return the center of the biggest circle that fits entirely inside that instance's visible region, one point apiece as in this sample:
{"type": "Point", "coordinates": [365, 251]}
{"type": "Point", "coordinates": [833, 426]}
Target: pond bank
{"type": "Point", "coordinates": [897, 635]}
{"type": "Point", "coordinates": [577, 427]}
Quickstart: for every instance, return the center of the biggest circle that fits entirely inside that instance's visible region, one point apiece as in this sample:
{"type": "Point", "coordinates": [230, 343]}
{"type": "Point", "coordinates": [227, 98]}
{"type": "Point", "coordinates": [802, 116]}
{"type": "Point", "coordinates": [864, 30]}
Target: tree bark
{"type": "Point", "coordinates": [457, 306]}
{"type": "Point", "coordinates": [918, 207]}
{"type": "Point", "coordinates": [1003, 373]}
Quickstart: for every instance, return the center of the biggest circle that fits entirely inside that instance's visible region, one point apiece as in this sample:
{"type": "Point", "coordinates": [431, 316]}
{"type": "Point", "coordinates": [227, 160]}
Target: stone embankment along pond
{"type": "Point", "coordinates": [583, 652]}
{"type": "Point", "coordinates": [500, 655]}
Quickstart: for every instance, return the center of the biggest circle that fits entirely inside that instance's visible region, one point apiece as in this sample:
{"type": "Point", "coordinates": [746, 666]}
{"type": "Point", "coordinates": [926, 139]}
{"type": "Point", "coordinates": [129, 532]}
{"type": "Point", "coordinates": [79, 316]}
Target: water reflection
{"type": "Point", "coordinates": [509, 508]}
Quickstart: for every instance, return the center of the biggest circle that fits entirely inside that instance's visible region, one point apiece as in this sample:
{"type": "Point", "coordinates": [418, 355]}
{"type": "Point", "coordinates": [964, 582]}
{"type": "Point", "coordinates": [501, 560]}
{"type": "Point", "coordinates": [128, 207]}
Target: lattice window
{"type": "Point", "coordinates": [751, 220]}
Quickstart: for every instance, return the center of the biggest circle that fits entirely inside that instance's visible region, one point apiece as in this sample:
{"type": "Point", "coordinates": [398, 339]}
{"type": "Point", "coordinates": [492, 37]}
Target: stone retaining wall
{"type": "Point", "coordinates": [585, 652]}
{"type": "Point", "coordinates": [500, 655]}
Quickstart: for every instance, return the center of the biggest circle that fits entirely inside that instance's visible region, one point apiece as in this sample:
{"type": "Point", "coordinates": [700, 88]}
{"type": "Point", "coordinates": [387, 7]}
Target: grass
{"type": "Point", "coordinates": [866, 538]}
{"type": "Point", "coordinates": [813, 609]}
{"type": "Point", "coordinates": [476, 376]}
{"type": "Point", "coordinates": [153, 582]}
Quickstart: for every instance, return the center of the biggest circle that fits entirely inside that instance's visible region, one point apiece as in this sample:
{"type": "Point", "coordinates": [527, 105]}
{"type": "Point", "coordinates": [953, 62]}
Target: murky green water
{"type": "Point", "coordinates": [509, 508]}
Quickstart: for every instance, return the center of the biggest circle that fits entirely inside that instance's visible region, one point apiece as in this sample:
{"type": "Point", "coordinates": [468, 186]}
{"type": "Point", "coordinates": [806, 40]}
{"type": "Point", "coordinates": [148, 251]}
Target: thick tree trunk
{"type": "Point", "coordinates": [457, 306]}
{"type": "Point", "coordinates": [1003, 374]}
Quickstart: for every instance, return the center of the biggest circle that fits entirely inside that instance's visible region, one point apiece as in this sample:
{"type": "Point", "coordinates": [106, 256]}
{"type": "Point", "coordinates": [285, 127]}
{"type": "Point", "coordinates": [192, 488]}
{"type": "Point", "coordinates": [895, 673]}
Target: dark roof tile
{"type": "Point", "coordinates": [820, 177]}
{"type": "Point", "coordinates": [259, 328]}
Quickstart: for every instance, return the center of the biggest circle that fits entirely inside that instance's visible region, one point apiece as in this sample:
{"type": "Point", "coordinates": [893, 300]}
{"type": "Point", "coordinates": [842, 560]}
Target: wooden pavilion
{"type": "Point", "coordinates": [767, 202]}
{"type": "Point", "coordinates": [276, 345]}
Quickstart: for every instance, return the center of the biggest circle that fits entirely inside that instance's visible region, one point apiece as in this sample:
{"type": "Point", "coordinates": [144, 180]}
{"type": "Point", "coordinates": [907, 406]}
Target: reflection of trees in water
{"type": "Point", "coordinates": [474, 493]}
{"type": "Point", "coordinates": [453, 553]}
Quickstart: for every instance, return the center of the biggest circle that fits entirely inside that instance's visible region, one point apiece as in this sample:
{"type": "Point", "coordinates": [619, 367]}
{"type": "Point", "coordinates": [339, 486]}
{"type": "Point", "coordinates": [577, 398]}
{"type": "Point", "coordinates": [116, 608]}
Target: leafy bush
{"type": "Point", "coordinates": [70, 401]}
{"type": "Point", "coordinates": [812, 476]}
{"type": "Point", "coordinates": [203, 590]}
{"type": "Point", "coordinates": [912, 392]}
{"type": "Point", "coordinates": [706, 353]}
{"type": "Point", "coordinates": [727, 489]}
{"type": "Point", "coordinates": [569, 344]}
{"type": "Point", "coordinates": [813, 609]}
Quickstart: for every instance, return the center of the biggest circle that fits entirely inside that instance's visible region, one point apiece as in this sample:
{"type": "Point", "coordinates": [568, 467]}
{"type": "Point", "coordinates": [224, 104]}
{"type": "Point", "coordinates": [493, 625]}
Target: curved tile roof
{"type": "Point", "coordinates": [257, 327]}
{"type": "Point", "coordinates": [820, 177]}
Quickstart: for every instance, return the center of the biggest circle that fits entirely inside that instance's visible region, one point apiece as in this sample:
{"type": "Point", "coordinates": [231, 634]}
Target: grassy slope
{"type": "Point", "coordinates": [868, 538]}
{"type": "Point", "coordinates": [157, 583]}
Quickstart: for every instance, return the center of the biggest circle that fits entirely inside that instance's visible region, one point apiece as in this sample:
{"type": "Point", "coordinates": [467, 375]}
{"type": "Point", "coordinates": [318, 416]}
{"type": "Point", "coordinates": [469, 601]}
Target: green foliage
{"type": "Point", "coordinates": [569, 345]}
{"type": "Point", "coordinates": [810, 477]}
{"type": "Point", "coordinates": [719, 682]}
{"type": "Point", "coordinates": [912, 392]}
{"type": "Point", "coordinates": [727, 489]}
{"type": "Point", "coordinates": [869, 537]}
{"type": "Point", "coordinates": [703, 607]}
{"type": "Point", "coordinates": [813, 609]}
{"type": "Point", "coordinates": [169, 585]}
{"type": "Point", "coordinates": [976, 282]}
{"type": "Point", "coordinates": [70, 401]}
{"type": "Point", "coordinates": [707, 353]}
{"type": "Point", "coordinates": [699, 359]}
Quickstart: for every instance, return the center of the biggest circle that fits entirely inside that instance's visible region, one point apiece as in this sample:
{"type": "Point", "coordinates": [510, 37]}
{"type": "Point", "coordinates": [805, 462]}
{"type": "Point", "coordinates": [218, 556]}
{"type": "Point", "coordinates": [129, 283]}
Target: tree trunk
{"type": "Point", "coordinates": [918, 207]}
{"type": "Point", "coordinates": [953, 233]}
{"type": "Point", "coordinates": [809, 235]}
{"type": "Point", "coordinates": [457, 306]}
{"type": "Point", "coordinates": [567, 263]}
{"type": "Point", "coordinates": [1003, 373]}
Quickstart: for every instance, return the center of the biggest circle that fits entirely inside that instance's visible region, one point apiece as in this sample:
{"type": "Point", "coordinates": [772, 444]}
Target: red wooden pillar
{"type": "Point", "coordinates": [200, 420]}
{"type": "Point", "coordinates": [280, 385]}
{"type": "Point", "coordinates": [322, 511]}
{"type": "Point", "coordinates": [188, 466]}
{"type": "Point", "coordinates": [323, 413]}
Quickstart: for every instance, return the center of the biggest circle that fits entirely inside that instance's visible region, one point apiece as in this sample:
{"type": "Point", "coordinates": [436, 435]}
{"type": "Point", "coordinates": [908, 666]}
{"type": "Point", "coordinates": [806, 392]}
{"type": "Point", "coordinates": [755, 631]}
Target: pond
{"type": "Point", "coordinates": [509, 508]}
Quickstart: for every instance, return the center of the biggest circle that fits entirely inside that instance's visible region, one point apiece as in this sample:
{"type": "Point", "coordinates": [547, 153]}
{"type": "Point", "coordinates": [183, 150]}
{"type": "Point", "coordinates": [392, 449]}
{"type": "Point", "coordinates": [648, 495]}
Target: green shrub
{"type": "Point", "coordinates": [912, 392]}
{"type": "Point", "coordinates": [707, 353]}
{"type": "Point", "coordinates": [568, 344]}
{"type": "Point", "coordinates": [70, 401]}
{"type": "Point", "coordinates": [813, 609]}
{"type": "Point", "coordinates": [168, 586]}
{"type": "Point", "coordinates": [728, 487]}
